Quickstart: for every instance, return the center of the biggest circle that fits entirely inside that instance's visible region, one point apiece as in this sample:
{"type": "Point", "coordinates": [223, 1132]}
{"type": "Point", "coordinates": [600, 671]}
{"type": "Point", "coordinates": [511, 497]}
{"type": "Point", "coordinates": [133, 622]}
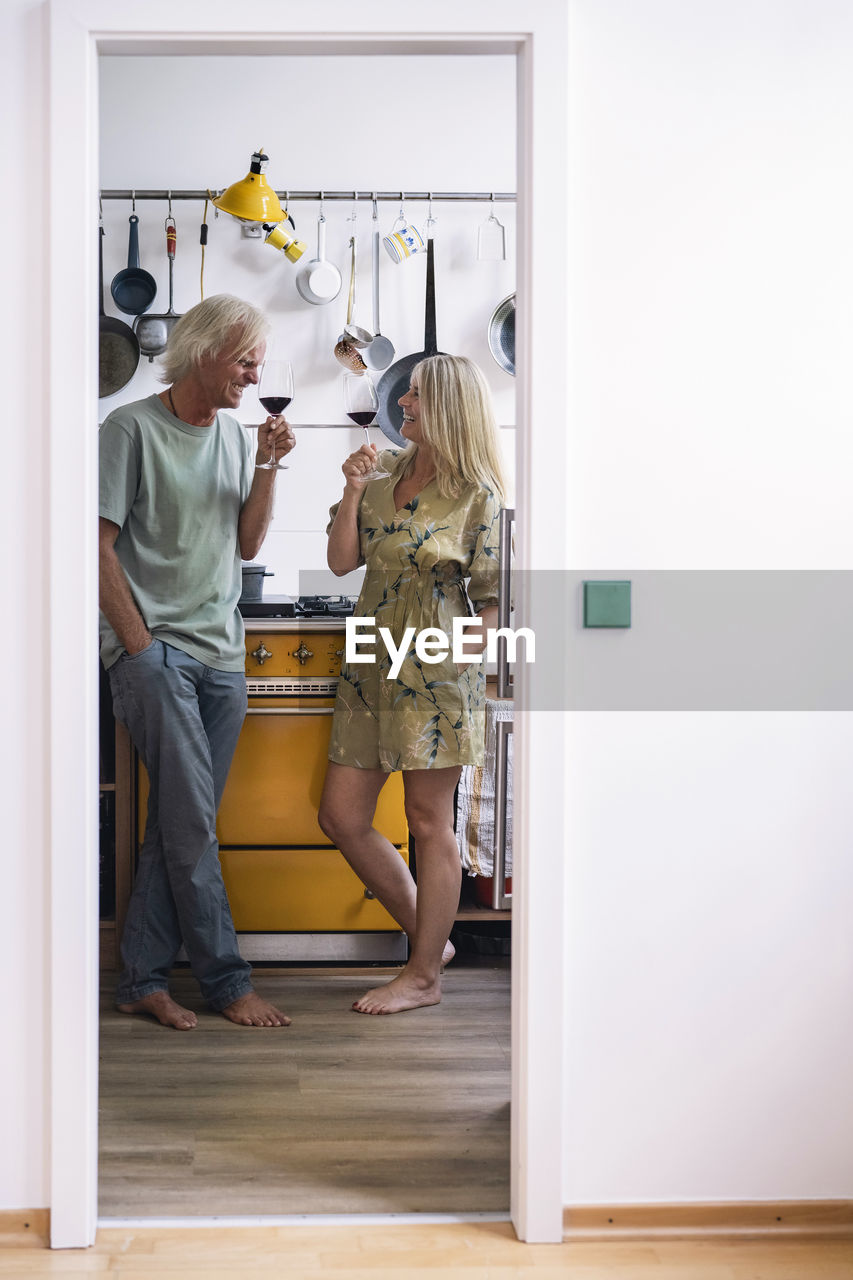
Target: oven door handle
{"type": "Point", "coordinates": [290, 711]}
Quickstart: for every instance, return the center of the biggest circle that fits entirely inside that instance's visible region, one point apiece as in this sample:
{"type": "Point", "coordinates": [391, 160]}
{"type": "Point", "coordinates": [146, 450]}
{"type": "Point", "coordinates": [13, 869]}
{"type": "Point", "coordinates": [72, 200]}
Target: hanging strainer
{"type": "Point", "coordinates": [502, 334]}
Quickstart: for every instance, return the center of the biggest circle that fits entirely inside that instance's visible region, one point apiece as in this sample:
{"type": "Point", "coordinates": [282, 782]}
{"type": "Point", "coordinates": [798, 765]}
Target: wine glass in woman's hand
{"type": "Point", "coordinates": [275, 393]}
{"type": "Point", "coordinates": [362, 405]}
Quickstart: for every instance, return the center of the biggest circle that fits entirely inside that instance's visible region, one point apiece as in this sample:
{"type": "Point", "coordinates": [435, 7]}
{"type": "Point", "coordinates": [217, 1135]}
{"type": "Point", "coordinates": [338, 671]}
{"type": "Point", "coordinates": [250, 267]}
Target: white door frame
{"type": "Point", "coordinates": [79, 30]}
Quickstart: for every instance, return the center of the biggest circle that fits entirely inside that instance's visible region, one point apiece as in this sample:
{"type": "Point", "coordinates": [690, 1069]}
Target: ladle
{"type": "Point", "coordinates": [152, 331]}
{"type": "Point", "coordinates": [380, 353]}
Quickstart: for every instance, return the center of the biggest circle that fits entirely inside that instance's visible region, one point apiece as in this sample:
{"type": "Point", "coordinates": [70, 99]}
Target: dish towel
{"type": "Point", "coordinates": [475, 815]}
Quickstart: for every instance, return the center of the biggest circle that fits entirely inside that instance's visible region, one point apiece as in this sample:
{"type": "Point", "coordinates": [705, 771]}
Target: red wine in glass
{"type": "Point", "coordinates": [361, 404]}
{"type": "Point", "coordinates": [275, 394]}
{"type": "Point", "coordinates": [275, 404]}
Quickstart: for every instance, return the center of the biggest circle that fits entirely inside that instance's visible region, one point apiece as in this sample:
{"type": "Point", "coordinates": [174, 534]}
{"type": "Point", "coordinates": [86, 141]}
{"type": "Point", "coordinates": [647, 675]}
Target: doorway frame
{"type": "Point", "coordinates": [80, 31]}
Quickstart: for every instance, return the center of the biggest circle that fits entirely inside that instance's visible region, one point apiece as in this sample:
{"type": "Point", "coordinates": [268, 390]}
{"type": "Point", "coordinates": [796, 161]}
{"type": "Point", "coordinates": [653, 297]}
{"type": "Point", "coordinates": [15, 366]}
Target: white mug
{"type": "Point", "coordinates": [403, 241]}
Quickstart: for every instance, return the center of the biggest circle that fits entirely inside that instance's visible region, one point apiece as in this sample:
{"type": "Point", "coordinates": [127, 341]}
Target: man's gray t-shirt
{"type": "Point", "coordinates": [176, 492]}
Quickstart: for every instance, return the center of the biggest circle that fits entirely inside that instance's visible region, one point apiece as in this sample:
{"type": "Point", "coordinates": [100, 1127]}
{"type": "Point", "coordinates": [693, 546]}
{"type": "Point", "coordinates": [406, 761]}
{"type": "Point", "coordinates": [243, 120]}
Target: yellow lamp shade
{"type": "Point", "coordinates": [252, 199]}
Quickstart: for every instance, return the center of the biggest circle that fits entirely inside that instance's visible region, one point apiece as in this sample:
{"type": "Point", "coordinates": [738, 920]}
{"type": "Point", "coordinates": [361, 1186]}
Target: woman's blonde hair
{"type": "Point", "coordinates": [458, 423]}
{"type": "Point", "coordinates": [219, 324]}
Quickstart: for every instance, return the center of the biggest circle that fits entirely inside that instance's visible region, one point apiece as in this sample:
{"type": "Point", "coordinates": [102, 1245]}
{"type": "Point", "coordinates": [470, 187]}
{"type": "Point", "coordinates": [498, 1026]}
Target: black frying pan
{"type": "Point", "coordinates": [133, 289]}
{"type": "Point", "coordinates": [395, 380]}
{"type": "Point", "coordinates": [118, 349]}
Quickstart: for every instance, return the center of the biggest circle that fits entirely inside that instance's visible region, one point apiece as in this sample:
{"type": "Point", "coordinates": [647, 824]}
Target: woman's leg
{"type": "Point", "coordinates": [429, 812]}
{"type": "Point", "coordinates": [346, 816]}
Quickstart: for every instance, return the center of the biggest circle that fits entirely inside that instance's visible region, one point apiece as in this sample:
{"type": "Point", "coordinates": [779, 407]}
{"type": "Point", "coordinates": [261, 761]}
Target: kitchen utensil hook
{"type": "Point", "coordinates": [431, 221]}
{"type": "Point", "coordinates": [491, 237]}
{"type": "Point", "coordinates": [322, 204]}
{"type": "Point", "coordinates": [133, 200]}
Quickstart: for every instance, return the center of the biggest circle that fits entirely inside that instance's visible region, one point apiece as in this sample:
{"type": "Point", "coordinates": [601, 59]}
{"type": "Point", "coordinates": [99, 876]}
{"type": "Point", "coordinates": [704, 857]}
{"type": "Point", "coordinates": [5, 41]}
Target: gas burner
{"type": "Point", "coordinates": [302, 607]}
{"type": "Point", "coordinates": [325, 606]}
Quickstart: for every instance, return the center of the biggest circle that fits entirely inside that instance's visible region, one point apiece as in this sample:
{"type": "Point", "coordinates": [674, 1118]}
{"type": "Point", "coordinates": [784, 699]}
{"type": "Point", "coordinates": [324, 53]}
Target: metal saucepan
{"type": "Point", "coordinates": [133, 289]}
{"type": "Point", "coordinates": [253, 581]}
{"type": "Point", "coordinates": [380, 353]}
{"type": "Point", "coordinates": [347, 347]}
{"type": "Point", "coordinates": [395, 381]}
{"type": "Point", "coordinates": [502, 334]}
{"type": "Point", "coordinates": [118, 349]}
{"type": "Point", "coordinates": [153, 330]}
{"type": "Point", "coordinates": [319, 281]}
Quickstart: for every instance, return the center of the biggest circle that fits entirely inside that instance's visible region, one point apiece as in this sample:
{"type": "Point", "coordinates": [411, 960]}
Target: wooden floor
{"type": "Point", "coordinates": [338, 1113]}
{"type": "Point", "coordinates": [483, 1251]}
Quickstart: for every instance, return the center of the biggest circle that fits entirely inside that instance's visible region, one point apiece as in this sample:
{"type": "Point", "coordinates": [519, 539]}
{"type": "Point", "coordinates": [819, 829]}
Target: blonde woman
{"type": "Point", "coordinates": [424, 532]}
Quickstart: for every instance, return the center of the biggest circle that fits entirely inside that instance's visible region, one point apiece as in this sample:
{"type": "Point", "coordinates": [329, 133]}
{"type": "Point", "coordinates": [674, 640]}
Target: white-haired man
{"type": "Point", "coordinates": [181, 504]}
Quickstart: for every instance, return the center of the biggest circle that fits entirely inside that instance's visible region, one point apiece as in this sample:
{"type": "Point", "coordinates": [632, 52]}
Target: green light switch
{"type": "Point", "coordinates": [607, 604]}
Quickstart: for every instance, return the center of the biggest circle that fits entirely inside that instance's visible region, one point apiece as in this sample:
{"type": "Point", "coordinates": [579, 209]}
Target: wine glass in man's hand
{"type": "Point", "coordinates": [275, 393]}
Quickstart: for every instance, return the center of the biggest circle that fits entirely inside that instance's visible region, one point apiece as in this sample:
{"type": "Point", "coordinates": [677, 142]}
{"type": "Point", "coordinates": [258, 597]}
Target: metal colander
{"type": "Point", "coordinates": [502, 334]}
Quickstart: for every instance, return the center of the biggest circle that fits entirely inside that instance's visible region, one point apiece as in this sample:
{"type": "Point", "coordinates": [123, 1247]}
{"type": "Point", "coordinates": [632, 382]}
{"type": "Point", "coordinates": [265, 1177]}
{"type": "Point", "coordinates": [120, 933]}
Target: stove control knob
{"type": "Point", "coordinates": [261, 653]}
{"type": "Point", "coordinates": [302, 654]}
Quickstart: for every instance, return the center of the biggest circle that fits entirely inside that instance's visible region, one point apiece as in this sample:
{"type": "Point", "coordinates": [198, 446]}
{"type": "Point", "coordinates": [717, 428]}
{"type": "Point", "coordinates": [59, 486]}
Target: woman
{"type": "Point", "coordinates": [432, 523]}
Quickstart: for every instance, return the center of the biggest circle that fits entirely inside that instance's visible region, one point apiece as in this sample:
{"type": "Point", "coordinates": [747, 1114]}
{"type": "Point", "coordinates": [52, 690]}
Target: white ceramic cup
{"type": "Point", "coordinates": [403, 241]}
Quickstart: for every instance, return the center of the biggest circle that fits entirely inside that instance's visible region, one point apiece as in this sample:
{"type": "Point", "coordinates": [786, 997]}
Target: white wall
{"type": "Point", "coordinates": [710, 959]}
{"type": "Point", "coordinates": [364, 123]}
{"type": "Point", "coordinates": [23, 765]}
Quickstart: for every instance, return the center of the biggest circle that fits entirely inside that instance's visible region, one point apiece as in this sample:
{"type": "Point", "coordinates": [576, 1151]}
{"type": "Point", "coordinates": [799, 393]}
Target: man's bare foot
{"type": "Point", "coordinates": [162, 1007]}
{"type": "Point", "coordinates": [251, 1011]}
{"type": "Point", "coordinates": [403, 992]}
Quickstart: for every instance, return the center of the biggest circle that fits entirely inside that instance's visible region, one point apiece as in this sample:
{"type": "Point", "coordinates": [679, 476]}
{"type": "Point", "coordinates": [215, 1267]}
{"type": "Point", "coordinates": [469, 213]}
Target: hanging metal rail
{"type": "Point", "coordinates": [450, 196]}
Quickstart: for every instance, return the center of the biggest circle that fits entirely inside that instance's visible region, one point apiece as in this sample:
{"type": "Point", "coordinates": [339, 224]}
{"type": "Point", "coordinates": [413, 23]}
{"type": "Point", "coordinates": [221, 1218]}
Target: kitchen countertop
{"type": "Point", "coordinates": [294, 624]}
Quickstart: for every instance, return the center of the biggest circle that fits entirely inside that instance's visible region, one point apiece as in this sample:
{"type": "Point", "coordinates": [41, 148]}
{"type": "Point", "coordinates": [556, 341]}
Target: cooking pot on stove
{"type": "Point", "coordinates": [253, 581]}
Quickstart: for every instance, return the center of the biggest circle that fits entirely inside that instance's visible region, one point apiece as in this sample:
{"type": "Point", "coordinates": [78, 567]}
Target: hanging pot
{"type": "Point", "coordinates": [319, 281]}
{"type": "Point", "coordinates": [395, 381]}
{"type": "Point", "coordinates": [133, 289]}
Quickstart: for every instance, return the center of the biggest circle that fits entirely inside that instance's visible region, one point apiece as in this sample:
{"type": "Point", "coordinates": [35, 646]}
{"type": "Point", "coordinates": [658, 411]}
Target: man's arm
{"type": "Point", "coordinates": [117, 603]}
{"type": "Point", "coordinates": [256, 512]}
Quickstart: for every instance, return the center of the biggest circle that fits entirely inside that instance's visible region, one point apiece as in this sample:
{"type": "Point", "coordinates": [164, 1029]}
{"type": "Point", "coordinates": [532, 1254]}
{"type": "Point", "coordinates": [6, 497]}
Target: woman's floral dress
{"type": "Point", "coordinates": [429, 716]}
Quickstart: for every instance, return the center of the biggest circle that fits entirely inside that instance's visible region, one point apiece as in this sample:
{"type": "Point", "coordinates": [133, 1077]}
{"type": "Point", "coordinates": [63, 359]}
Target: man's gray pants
{"type": "Point", "coordinates": [184, 719]}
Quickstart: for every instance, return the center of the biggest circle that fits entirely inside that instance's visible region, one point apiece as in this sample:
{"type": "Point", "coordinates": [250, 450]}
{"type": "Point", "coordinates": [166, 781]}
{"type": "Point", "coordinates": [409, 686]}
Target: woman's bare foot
{"type": "Point", "coordinates": [403, 992]}
{"type": "Point", "coordinates": [162, 1007]}
{"type": "Point", "coordinates": [252, 1011]}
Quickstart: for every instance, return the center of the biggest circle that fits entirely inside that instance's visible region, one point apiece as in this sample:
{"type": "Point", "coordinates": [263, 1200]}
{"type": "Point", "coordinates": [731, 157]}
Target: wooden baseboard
{"type": "Point", "coordinates": [813, 1218]}
{"type": "Point", "coordinates": [20, 1228]}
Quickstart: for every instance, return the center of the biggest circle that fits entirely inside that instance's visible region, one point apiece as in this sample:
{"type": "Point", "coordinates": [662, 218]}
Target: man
{"type": "Point", "coordinates": [181, 504]}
